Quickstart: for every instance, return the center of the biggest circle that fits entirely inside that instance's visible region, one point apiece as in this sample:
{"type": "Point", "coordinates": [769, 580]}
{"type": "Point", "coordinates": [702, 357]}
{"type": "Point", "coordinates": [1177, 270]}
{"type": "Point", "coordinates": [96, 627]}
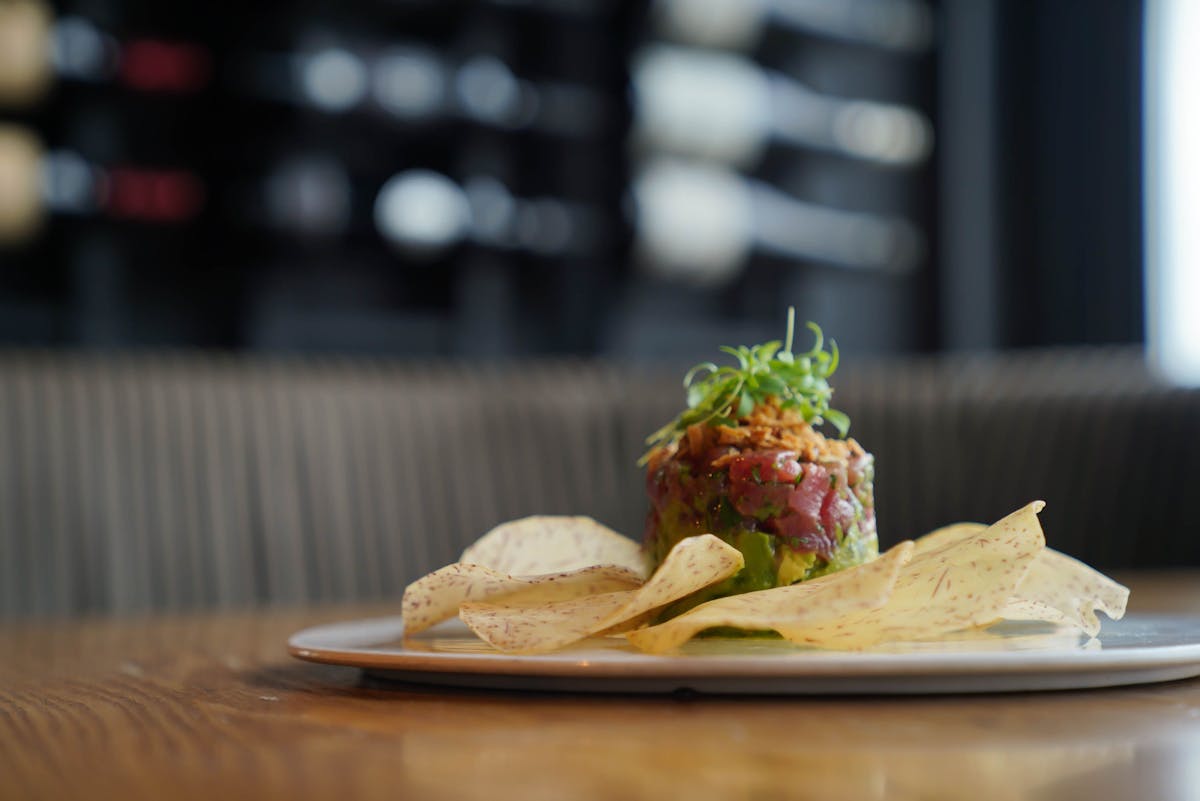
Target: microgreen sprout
{"type": "Point", "coordinates": [725, 395]}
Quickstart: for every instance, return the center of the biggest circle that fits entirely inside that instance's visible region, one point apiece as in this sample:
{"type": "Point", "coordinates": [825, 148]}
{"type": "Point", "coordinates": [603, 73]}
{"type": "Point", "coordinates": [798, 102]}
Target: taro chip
{"type": "Point", "coordinates": [437, 596]}
{"type": "Point", "coordinates": [791, 611]}
{"type": "Point", "coordinates": [541, 627]}
{"type": "Point", "coordinates": [537, 545]}
{"type": "Point", "coordinates": [1059, 589]}
{"type": "Point", "coordinates": [541, 583]}
{"type": "Point", "coordinates": [513, 624]}
{"type": "Point", "coordinates": [539, 559]}
{"type": "Point", "coordinates": [947, 534]}
{"type": "Point", "coordinates": [954, 582]}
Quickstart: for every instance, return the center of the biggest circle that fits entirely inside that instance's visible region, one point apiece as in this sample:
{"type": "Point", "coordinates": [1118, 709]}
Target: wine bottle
{"type": "Point", "coordinates": [724, 107]}
{"type": "Point", "coordinates": [904, 26]}
{"type": "Point", "coordinates": [36, 49]}
{"type": "Point", "coordinates": [412, 84]}
{"type": "Point", "coordinates": [702, 223]}
{"type": "Point", "coordinates": [699, 223]}
{"type": "Point", "coordinates": [423, 212]}
{"type": "Point", "coordinates": [36, 184]}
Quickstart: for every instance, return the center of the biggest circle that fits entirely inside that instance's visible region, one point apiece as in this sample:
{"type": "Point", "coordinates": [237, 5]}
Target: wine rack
{"type": "Point", "coordinates": [487, 179]}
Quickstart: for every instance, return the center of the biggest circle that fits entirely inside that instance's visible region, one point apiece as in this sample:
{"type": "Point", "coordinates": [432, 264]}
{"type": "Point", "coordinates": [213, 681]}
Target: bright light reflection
{"type": "Point", "coordinates": [422, 211]}
{"type": "Point", "coordinates": [1172, 188]}
{"type": "Point", "coordinates": [334, 80]}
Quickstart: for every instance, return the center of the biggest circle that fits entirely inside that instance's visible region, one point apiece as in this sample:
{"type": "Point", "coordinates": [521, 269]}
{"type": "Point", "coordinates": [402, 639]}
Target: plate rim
{"type": "Point", "coordinates": [792, 665]}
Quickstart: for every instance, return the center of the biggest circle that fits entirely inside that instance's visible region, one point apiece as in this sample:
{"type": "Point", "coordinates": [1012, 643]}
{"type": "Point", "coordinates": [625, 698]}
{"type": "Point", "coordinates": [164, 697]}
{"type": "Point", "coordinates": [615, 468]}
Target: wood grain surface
{"type": "Point", "coordinates": [211, 707]}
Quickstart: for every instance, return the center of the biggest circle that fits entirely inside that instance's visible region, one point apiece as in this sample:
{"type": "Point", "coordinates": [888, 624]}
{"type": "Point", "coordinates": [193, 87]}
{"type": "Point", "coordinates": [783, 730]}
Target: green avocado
{"type": "Point", "coordinates": [758, 573]}
{"type": "Point", "coordinates": [768, 563]}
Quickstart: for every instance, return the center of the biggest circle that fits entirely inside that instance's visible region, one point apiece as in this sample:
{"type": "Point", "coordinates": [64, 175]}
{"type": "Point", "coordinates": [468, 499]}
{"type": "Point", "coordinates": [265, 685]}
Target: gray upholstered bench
{"type": "Point", "coordinates": [131, 483]}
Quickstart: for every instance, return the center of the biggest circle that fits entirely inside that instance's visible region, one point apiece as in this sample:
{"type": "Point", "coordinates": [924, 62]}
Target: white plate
{"type": "Point", "coordinates": [1008, 657]}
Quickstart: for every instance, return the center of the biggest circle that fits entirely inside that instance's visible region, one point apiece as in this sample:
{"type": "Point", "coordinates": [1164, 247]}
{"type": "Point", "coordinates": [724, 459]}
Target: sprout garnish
{"type": "Point", "coordinates": [723, 395]}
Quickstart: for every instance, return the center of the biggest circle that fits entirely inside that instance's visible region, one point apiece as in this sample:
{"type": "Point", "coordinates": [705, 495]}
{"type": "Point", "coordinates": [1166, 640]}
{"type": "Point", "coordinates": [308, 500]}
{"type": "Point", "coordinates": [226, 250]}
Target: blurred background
{"type": "Point", "coordinates": [296, 300]}
{"type": "Point", "coordinates": [639, 179]}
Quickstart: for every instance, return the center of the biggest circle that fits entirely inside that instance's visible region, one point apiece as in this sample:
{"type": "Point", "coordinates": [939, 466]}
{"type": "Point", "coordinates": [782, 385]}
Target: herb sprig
{"type": "Point", "coordinates": [723, 395]}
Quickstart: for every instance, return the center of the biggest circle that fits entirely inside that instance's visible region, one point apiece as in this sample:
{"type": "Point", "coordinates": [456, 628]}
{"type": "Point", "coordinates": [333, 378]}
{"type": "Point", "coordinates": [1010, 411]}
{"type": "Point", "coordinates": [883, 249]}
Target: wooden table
{"type": "Point", "coordinates": [211, 707]}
